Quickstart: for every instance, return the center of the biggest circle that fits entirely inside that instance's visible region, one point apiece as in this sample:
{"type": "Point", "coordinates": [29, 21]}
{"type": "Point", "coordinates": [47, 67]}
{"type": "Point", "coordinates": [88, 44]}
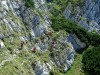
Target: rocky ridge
{"type": "Point", "coordinates": [87, 14]}
{"type": "Point", "coordinates": [32, 27]}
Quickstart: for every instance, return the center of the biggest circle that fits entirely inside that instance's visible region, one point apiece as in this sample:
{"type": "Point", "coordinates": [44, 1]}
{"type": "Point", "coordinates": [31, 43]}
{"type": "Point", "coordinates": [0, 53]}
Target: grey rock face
{"type": "Point", "coordinates": [85, 15]}
{"type": "Point", "coordinates": [2, 44]}
{"type": "Point", "coordinates": [77, 44]}
{"type": "Point", "coordinates": [14, 17]}
{"type": "Point", "coordinates": [1, 36]}
{"type": "Point", "coordinates": [84, 24]}
{"type": "Point", "coordinates": [69, 61]}
{"type": "Point", "coordinates": [64, 54]}
{"type": "Point", "coordinates": [41, 69]}
{"type": "Point", "coordinates": [9, 22]}
{"type": "Point", "coordinates": [31, 17]}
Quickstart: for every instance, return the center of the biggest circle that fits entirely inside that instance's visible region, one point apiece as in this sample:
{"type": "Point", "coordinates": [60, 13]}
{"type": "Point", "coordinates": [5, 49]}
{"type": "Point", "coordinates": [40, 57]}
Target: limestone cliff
{"type": "Point", "coordinates": [28, 45]}
{"type": "Point", "coordinates": [86, 14]}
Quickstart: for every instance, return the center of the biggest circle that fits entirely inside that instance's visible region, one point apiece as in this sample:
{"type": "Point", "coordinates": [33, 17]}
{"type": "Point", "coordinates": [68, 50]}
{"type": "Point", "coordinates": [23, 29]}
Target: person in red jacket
{"type": "Point", "coordinates": [34, 49]}
{"type": "Point", "coordinates": [49, 33]}
{"type": "Point", "coordinates": [21, 45]}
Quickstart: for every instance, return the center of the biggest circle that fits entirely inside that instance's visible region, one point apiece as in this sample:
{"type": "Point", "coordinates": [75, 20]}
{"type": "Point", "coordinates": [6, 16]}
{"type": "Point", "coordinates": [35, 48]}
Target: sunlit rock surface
{"type": "Point", "coordinates": [87, 15]}
{"type": "Point", "coordinates": [24, 38]}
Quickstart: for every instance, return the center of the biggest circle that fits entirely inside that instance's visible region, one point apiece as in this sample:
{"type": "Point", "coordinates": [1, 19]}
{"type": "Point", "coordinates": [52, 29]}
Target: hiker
{"type": "Point", "coordinates": [48, 66]}
{"type": "Point", "coordinates": [30, 36]}
{"type": "Point", "coordinates": [34, 49]}
{"type": "Point", "coordinates": [50, 33]}
{"type": "Point", "coordinates": [21, 45]}
{"type": "Point", "coordinates": [45, 61]}
{"type": "Point", "coordinates": [53, 43]}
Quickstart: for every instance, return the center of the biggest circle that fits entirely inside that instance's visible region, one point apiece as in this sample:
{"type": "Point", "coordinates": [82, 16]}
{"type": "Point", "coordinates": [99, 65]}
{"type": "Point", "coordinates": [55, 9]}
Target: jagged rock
{"type": "Point", "coordinates": [84, 24]}
{"type": "Point", "coordinates": [69, 61]}
{"type": "Point", "coordinates": [89, 10]}
{"type": "Point", "coordinates": [25, 24]}
{"type": "Point", "coordinates": [4, 5]}
{"type": "Point", "coordinates": [94, 26]}
{"type": "Point", "coordinates": [39, 3]}
{"type": "Point", "coordinates": [77, 44]}
{"type": "Point", "coordinates": [2, 44]}
{"type": "Point", "coordinates": [41, 69]}
{"type": "Point", "coordinates": [1, 36]}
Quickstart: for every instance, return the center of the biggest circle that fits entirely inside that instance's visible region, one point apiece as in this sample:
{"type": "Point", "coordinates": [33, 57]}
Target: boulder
{"type": "Point", "coordinates": [4, 5]}
{"type": "Point", "coordinates": [41, 69]}
{"type": "Point", "coordinates": [89, 10]}
{"type": "Point", "coordinates": [77, 44]}
{"type": "Point", "coordinates": [2, 44]}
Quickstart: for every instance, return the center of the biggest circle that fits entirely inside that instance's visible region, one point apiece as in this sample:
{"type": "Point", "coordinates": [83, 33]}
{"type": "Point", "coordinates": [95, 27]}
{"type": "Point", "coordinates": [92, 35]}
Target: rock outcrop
{"type": "Point", "coordinates": [87, 14]}
{"type": "Point", "coordinates": [41, 69]}
{"type": "Point", "coordinates": [2, 44]}
{"type": "Point", "coordinates": [77, 44]}
{"type": "Point", "coordinates": [26, 36]}
{"type": "Point", "coordinates": [22, 28]}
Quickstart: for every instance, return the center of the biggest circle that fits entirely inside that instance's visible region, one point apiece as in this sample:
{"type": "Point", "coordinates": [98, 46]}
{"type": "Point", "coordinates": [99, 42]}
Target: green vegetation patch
{"type": "Point", "coordinates": [76, 68]}
{"type": "Point", "coordinates": [16, 67]}
{"type": "Point", "coordinates": [29, 3]}
{"type": "Point", "coordinates": [91, 61]}
{"type": "Point", "coordinates": [77, 2]}
{"type": "Point", "coordinates": [59, 23]}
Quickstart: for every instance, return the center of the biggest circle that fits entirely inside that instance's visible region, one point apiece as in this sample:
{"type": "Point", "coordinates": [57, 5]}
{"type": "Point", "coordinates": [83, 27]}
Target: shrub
{"type": "Point", "coordinates": [91, 61]}
{"type": "Point", "coordinates": [10, 48]}
{"type": "Point", "coordinates": [77, 2]}
{"type": "Point", "coordinates": [59, 23]}
{"type": "Point", "coordinates": [29, 3]}
{"type": "Point", "coordinates": [69, 26]}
